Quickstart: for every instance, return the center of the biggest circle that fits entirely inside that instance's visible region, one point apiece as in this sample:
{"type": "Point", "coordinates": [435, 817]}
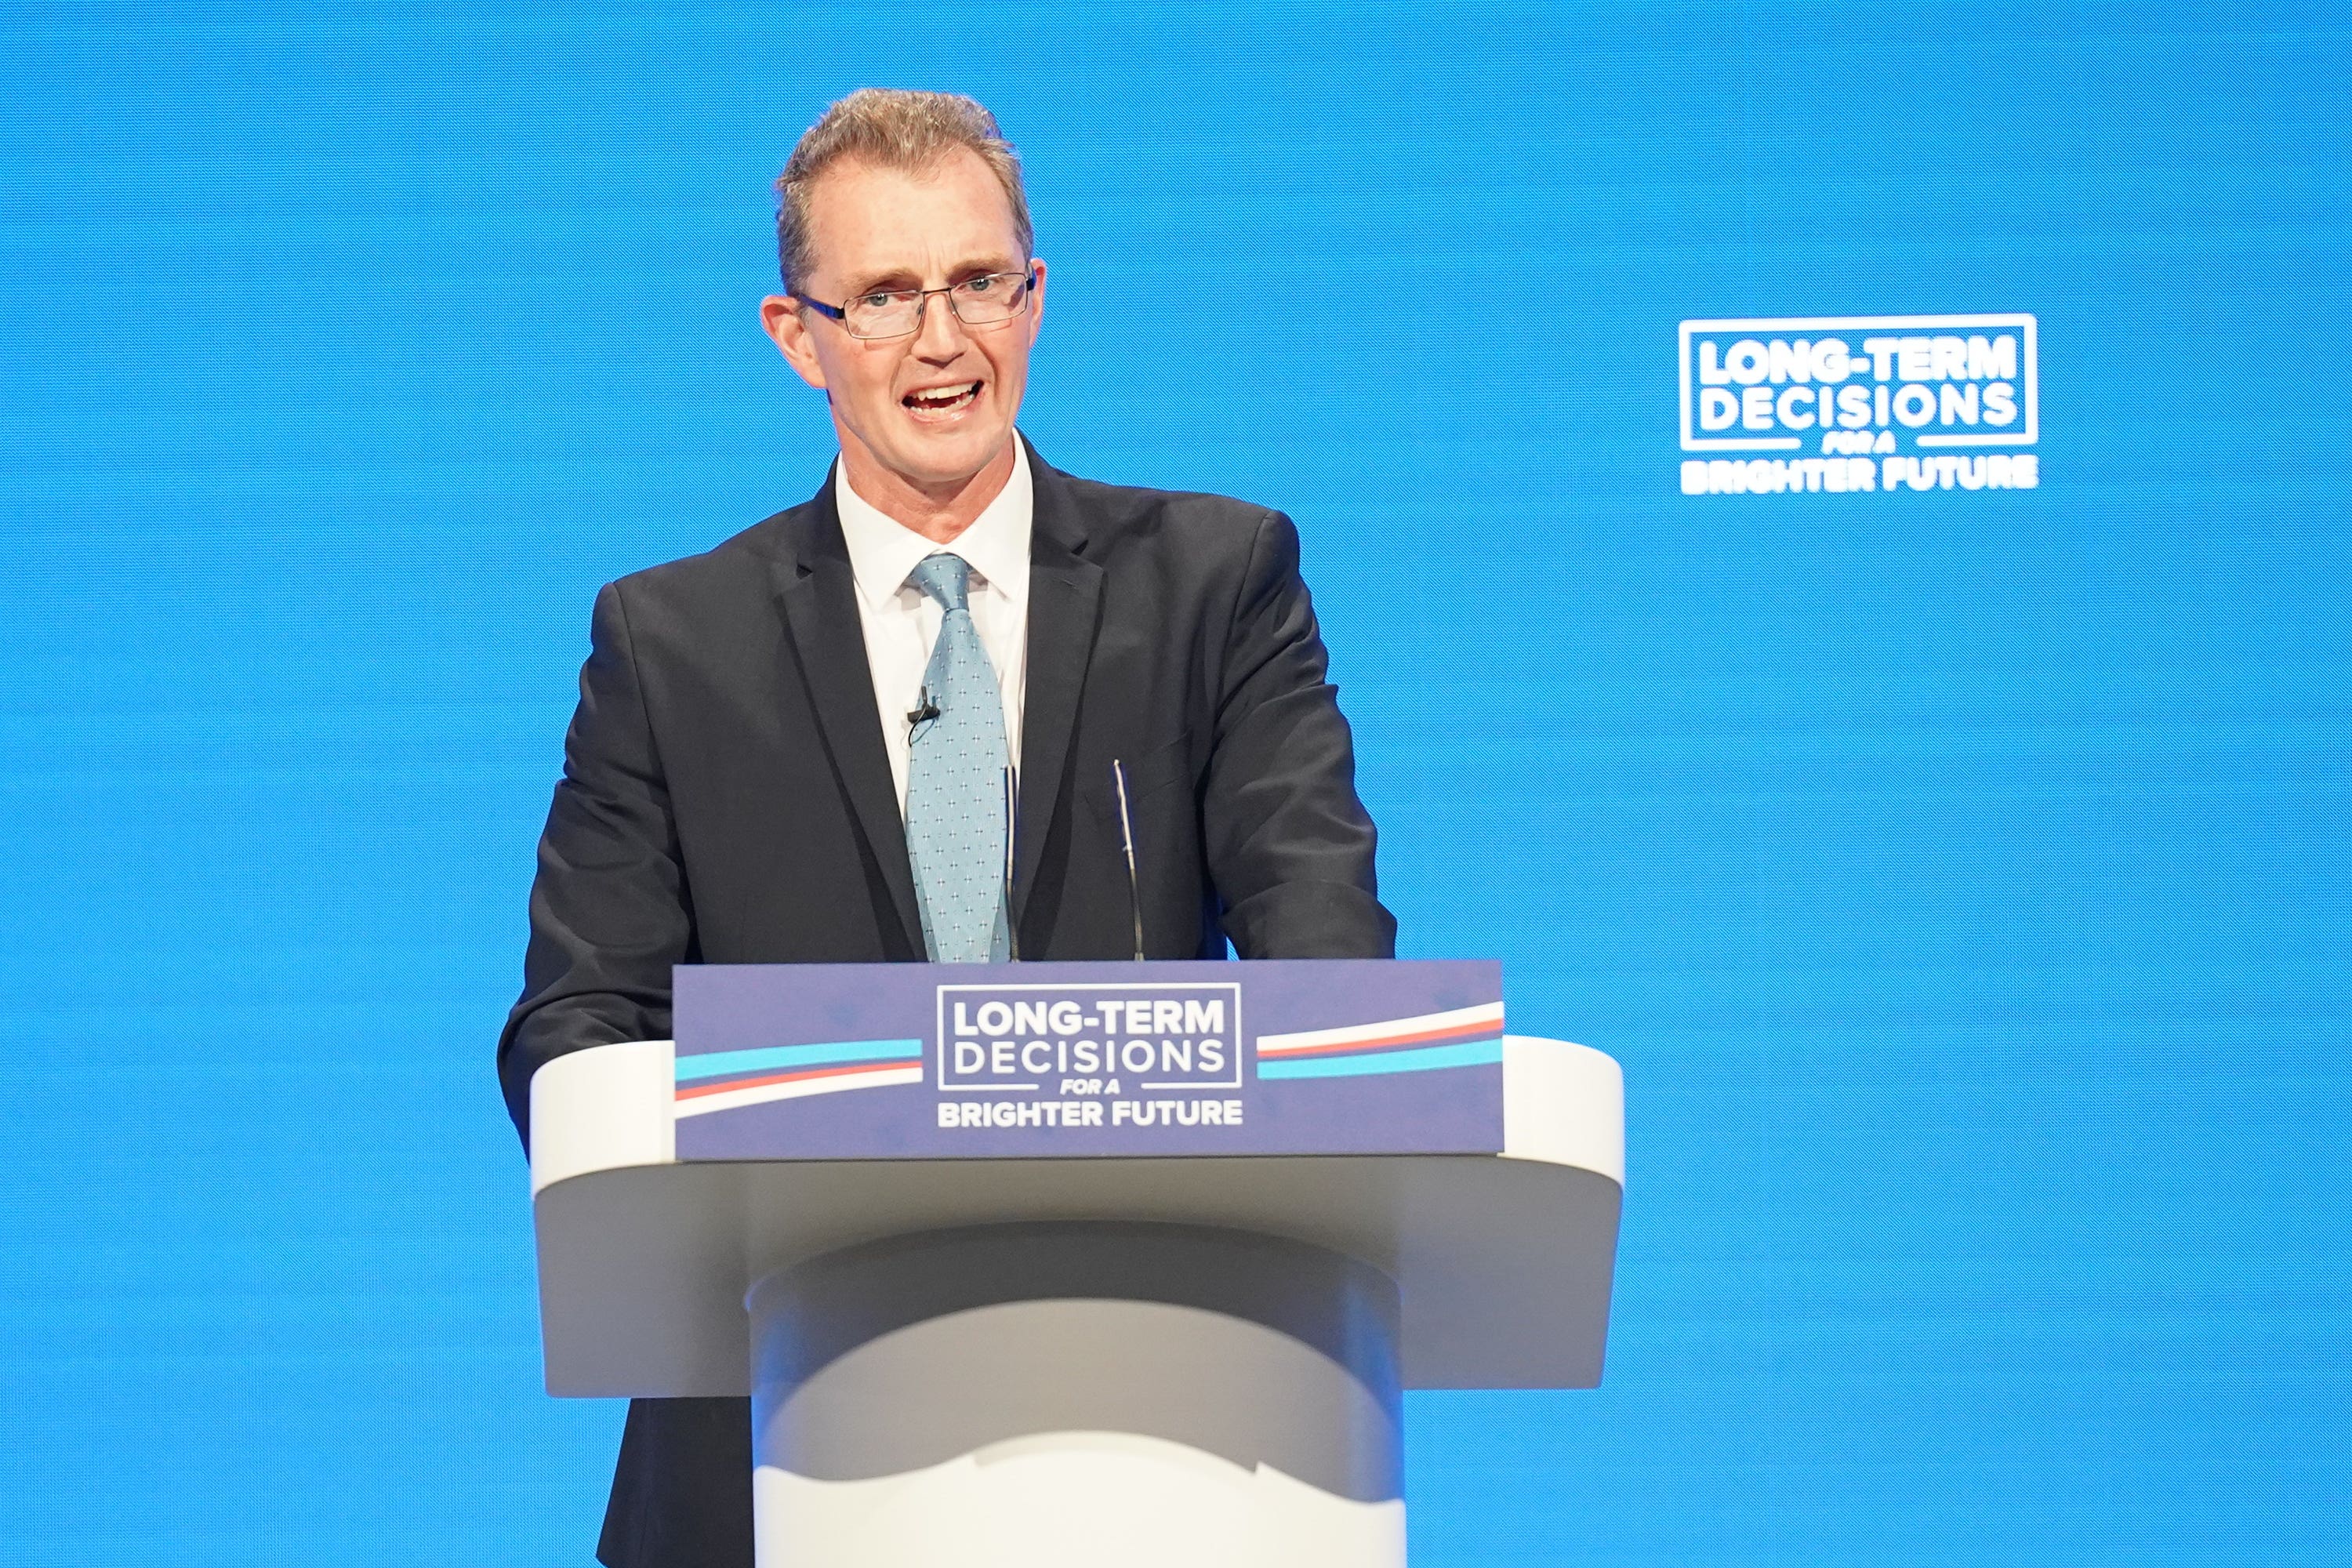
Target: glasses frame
{"type": "Point", "coordinates": [840, 313]}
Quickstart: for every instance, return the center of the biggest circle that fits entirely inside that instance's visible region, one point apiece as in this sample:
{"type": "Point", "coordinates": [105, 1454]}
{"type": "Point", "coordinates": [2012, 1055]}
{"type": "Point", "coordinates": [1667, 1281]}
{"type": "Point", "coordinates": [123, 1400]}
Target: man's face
{"type": "Point", "coordinates": [932, 409]}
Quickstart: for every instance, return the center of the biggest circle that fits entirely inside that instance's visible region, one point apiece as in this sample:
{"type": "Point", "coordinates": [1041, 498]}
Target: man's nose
{"type": "Point", "coordinates": [939, 334]}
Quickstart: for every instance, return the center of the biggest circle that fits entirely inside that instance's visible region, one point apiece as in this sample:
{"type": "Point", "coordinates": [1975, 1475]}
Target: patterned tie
{"type": "Point", "coordinates": [955, 784]}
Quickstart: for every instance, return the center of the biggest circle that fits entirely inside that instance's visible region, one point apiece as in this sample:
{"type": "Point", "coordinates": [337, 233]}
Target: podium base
{"type": "Point", "coordinates": [1059, 1393]}
{"type": "Point", "coordinates": [1066, 1499]}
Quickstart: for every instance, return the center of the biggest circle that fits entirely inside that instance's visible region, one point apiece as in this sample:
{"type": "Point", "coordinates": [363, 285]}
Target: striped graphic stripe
{"type": "Point", "coordinates": [740, 1092]}
{"type": "Point", "coordinates": [1460, 1024]}
{"type": "Point", "coordinates": [788, 1058]}
{"type": "Point", "coordinates": [1473, 1053]}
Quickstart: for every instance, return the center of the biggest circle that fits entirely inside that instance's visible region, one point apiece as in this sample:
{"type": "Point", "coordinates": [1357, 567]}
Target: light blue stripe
{"type": "Point", "coordinates": [1474, 1053]}
{"type": "Point", "coordinates": [772, 1059]}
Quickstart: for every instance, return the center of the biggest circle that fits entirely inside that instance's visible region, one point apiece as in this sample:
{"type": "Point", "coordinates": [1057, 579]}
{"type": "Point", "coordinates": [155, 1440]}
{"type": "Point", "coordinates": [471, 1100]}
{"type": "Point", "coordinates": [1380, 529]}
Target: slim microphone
{"type": "Point", "coordinates": [1012, 826]}
{"type": "Point", "coordinates": [1127, 842]}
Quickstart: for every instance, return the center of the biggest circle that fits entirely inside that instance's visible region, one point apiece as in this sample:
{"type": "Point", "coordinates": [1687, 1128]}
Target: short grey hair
{"type": "Point", "coordinates": [896, 129]}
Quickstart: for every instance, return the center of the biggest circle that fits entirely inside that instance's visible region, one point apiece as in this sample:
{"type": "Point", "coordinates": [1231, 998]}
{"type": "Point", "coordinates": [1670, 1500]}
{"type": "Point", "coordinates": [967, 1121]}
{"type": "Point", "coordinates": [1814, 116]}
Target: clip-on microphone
{"type": "Point", "coordinates": [923, 712]}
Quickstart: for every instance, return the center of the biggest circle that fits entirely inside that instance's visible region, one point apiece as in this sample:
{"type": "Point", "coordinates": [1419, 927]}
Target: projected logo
{"type": "Point", "coordinates": [1859, 405]}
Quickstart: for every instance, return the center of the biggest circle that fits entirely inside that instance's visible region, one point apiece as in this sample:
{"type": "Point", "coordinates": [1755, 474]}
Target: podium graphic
{"type": "Point", "coordinates": [1054, 1264]}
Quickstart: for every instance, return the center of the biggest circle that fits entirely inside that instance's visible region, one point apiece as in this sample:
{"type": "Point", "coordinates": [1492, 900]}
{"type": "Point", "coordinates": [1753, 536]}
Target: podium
{"type": "Point", "coordinates": [1050, 1264]}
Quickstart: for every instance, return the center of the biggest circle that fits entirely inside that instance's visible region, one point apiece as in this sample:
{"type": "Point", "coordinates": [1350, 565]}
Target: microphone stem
{"type": "Point", "coordinates": [1011, 825]}
{"type": "Point", "coordinates": [1127, 843]}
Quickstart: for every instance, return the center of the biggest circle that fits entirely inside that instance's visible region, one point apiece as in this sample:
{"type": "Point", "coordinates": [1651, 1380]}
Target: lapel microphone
{"type": "Point", "coordinates": [1127, 843]}
{"type": "Point", "coordinates": [921, 714]}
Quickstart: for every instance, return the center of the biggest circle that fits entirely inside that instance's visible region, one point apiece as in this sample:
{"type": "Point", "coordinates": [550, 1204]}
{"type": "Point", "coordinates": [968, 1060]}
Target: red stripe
{"type": "Point", "coordinates": [702, 1088]}
{"type": "Point", "coordinates": [1426, 1037]}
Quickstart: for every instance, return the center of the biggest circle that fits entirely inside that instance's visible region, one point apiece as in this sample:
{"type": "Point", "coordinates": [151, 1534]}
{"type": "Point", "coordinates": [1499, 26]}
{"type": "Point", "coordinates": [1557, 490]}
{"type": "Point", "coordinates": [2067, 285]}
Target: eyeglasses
{"type": "Point", "coordinates": [980, 301]}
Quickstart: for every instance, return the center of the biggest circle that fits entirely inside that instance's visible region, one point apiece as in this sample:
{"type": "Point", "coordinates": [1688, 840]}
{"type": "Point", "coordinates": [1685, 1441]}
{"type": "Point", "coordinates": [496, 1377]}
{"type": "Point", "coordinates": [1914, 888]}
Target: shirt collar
{"type": "Point", "coordinates": [882, 550]}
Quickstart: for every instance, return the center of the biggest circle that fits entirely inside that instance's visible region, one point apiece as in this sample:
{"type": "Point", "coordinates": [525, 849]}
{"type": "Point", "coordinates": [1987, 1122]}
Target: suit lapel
{"type": "Point", "coordinates": [1065, 595]}
{"type": "Point", "coordinates": [817, 595]}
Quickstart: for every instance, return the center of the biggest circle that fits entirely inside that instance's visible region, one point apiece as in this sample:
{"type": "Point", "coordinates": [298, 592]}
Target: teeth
{"type": "Point", "coordinates": [937, 396]}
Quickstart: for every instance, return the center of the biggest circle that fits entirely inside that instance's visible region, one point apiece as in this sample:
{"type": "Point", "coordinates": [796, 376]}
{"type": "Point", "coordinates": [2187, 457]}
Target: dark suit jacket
{"type": "Point", "coordinates": [726, 799]}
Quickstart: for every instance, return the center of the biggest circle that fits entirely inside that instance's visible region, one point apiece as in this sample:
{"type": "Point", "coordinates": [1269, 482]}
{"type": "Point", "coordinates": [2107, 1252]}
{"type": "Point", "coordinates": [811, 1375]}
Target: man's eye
{"type": "Point", "coordinates": [876, 300]}
{"type": "Point", "coordinates": [988, 285]}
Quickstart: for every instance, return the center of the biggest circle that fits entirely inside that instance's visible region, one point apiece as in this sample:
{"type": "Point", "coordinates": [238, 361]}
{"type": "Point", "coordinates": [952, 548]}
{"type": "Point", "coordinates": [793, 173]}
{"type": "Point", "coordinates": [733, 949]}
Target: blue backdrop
{"type": "Point", "coordinates": [1960, 875]}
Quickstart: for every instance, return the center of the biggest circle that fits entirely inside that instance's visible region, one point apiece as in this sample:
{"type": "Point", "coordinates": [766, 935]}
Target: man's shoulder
{"type": "Point", "coordinates": [1187, 520]}
{"type": "Point", "coordinates": [736, 566]}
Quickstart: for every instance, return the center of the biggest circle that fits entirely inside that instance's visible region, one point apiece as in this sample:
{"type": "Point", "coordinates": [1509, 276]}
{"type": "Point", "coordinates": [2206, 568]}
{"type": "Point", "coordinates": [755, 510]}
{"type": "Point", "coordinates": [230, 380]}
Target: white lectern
{"type": "Point", "coordinates": [1001, 1358]}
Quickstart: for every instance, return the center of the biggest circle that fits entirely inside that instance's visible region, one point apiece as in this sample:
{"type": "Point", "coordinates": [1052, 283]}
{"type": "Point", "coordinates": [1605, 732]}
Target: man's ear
{"type": "Point", "coordinates": [1037, 300]}
{"type": "Point", "coordinates": [782, 318]}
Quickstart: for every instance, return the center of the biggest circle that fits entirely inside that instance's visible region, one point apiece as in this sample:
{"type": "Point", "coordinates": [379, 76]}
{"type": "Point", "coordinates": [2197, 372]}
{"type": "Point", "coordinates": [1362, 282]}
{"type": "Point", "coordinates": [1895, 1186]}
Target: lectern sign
{"type": "Point", "coordinates": [1171, 1035]}
{"type": "Point", "coordinates": [938, 1061]}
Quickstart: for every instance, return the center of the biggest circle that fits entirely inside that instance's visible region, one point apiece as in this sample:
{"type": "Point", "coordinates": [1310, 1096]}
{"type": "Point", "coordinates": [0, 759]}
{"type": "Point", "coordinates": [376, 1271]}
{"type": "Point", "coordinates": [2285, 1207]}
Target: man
{"type": "Point", "coordinates": [799, 747]}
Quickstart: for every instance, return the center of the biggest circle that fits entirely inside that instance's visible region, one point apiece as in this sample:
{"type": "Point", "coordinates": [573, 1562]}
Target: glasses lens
{"type": "Point", "coordinates": [991, 298]}
{"type": "Point", "coordinates": [891, 314]}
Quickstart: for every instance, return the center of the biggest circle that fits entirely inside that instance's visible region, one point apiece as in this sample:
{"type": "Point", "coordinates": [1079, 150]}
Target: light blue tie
{"type": "Point", "coordinates": [955, 784]}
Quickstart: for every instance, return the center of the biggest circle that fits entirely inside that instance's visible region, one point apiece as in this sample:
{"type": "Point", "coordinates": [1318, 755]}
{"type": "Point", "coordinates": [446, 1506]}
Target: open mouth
{"type": "Point", "coordinates": [942, 399]}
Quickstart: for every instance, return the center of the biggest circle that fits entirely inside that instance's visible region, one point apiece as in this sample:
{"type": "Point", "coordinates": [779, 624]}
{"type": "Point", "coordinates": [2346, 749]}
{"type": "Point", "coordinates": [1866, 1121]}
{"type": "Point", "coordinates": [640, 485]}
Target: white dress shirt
{"type": "Point", "coordinates": [901, 622]}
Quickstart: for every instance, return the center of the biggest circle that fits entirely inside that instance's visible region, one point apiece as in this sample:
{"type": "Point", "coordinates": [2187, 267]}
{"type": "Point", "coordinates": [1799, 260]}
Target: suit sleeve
{"type": "Point", "coordinates": [609, 911]}
{"type": "Point", "coordinates": [1289, 846]}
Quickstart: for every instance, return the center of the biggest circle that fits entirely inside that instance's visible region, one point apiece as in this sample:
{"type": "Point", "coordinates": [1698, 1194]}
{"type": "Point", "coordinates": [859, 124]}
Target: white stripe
{"type": "Point", "coordinates": [1357, 1033]}
{"type": "Point", "coordinates": [728, 1099]}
